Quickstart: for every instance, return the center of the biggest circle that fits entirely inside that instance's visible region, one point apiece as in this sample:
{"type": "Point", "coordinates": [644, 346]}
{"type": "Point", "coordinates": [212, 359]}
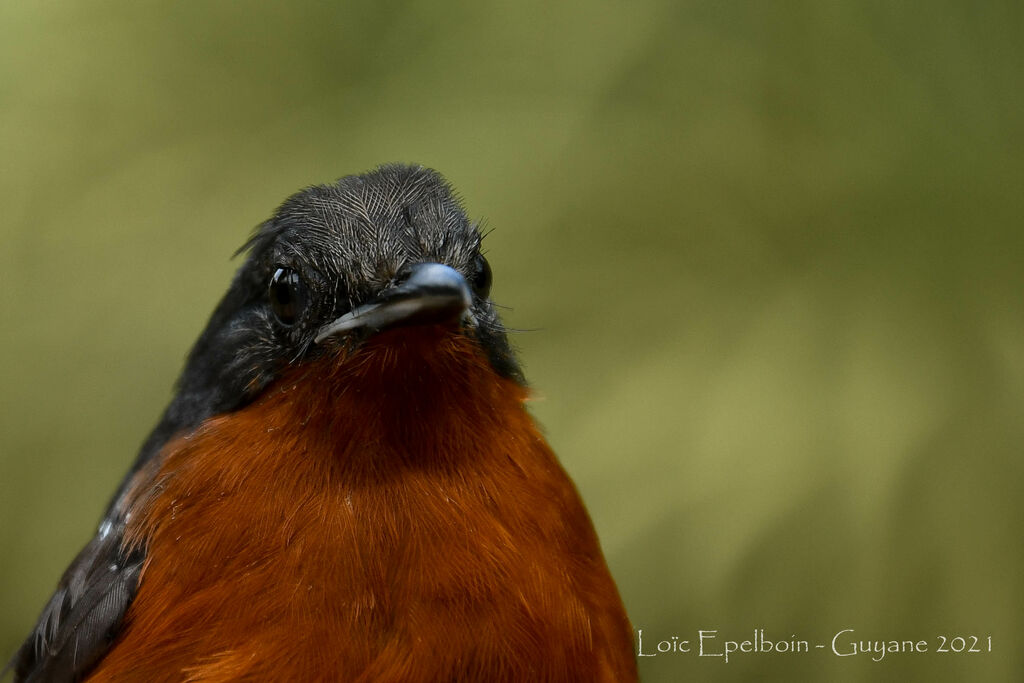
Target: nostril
{"type": "Point", "coordinates": [402, 275]}
{"type": "Point", "coordinates": [340, 305]}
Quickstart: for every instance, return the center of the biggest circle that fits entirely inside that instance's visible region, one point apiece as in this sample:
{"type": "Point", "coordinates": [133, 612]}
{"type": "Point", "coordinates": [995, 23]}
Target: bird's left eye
{"type": "Point", "coordinates": [287, 296]}
{"type": "Point", "coordinates": [481, 278]}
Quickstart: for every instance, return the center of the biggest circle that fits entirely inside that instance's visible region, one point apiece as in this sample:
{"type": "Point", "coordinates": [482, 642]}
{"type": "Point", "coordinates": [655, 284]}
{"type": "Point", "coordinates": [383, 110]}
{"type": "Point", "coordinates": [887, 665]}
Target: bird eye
{"type": "Point", "coordinates": [287, 295]}
{"type": "Point", "coordinates": [481, 278]}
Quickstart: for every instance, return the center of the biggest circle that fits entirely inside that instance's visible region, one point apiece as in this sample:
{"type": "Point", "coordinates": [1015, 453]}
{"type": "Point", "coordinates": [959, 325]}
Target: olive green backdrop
{"type": "Point", "coordinates": [768, 254]}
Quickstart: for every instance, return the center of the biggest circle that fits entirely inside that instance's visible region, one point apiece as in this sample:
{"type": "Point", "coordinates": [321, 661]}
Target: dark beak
{"type": "Point", "coordinates": [430, 293]}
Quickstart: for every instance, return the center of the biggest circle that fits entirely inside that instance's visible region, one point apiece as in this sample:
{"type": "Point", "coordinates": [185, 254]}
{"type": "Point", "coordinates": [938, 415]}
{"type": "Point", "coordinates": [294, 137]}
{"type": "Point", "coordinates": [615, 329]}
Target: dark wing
{"type": "Point", "coordinates": [81, 620]}
{"type": "Point", "coordinates": [83, 617]}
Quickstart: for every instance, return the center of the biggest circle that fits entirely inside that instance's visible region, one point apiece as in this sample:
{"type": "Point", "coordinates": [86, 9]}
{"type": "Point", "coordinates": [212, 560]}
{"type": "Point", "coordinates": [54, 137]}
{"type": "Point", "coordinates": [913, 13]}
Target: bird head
{"type": "Point", "coordinates": [335, 267]}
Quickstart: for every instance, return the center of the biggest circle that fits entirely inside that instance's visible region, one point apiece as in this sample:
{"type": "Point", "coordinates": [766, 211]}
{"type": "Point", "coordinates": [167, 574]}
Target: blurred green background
{"type": "Point", "coordinates": [770, 255]}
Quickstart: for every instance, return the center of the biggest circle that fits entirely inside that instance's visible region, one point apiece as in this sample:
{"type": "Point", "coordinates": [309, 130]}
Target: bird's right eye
{"type": "Point", "coordinates": [287, 296]}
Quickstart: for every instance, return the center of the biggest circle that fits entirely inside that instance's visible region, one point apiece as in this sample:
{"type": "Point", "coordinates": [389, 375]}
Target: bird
{"type": "Point", "coordinates": [347, 484]}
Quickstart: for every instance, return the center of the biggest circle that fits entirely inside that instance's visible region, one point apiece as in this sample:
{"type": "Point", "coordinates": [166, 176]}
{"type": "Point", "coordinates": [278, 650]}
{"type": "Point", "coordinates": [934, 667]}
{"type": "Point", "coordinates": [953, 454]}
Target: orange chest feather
{"type": "Point", "coordinates": [370, 519]}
